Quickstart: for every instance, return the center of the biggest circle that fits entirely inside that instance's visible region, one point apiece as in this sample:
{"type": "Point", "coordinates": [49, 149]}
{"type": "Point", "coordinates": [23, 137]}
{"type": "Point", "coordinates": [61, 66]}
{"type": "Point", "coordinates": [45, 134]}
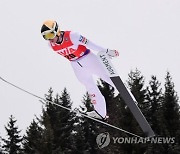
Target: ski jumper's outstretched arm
{"type": "Point", "coordinates": [91, 45]}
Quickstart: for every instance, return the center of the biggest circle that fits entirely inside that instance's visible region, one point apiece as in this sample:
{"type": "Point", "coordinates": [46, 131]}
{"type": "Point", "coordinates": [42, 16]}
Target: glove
{"type": "Point", "coordinates": [112, 53]}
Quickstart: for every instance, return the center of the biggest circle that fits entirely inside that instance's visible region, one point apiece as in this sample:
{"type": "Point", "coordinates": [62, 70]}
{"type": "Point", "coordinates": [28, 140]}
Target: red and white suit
{"type": "Point", "coordinates": [78, 50]}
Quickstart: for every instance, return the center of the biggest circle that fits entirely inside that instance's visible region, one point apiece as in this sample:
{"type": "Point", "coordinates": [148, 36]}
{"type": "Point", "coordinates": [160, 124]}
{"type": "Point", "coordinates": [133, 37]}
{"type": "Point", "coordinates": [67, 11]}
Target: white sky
{"type": "Point", "coordinates": [146, 33]}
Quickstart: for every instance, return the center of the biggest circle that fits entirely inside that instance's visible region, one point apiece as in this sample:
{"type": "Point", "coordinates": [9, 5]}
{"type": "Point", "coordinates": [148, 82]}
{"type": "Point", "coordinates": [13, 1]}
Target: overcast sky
{"type": "Point", "coordinates": [146, 33]}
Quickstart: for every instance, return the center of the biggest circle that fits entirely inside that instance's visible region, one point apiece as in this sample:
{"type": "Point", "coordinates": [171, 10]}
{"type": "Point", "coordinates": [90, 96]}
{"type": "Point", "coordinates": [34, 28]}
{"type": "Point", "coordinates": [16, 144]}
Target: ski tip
{"type": "Point", "coordinates": [150, 134]}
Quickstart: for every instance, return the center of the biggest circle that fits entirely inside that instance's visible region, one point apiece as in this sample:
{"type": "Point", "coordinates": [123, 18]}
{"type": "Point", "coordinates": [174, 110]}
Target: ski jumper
{"type": "Point", "coordinates": [77, 49]}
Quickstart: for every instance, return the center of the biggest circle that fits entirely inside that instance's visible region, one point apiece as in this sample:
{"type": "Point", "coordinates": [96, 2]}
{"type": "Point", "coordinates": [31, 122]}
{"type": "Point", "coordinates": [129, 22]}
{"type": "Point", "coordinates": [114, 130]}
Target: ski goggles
{"type": "Point", "coordinates": [51, 33]}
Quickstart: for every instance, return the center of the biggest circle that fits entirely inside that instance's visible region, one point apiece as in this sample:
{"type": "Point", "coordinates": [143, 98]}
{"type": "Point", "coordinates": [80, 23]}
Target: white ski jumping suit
{"type": "Point", "coordinates": [77, 49]}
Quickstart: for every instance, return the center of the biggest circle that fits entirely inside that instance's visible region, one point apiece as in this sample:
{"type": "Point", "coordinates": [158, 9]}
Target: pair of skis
{"type": "Point", "coordinates": [126, 94]}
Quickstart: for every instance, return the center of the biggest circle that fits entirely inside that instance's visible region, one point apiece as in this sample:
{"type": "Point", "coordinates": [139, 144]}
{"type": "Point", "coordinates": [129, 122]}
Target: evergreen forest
{"type": "Point", "coordinates": [59, 131]}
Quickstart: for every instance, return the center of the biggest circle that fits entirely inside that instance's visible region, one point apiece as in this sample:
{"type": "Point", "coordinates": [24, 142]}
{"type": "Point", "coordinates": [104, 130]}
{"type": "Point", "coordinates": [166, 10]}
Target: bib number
{"type": "Point", "coordinates": [70, 56]}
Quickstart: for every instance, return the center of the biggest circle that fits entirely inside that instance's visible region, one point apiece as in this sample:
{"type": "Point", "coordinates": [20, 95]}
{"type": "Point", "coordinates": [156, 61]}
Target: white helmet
{"type": "Point", "coordinates": [50, 30]}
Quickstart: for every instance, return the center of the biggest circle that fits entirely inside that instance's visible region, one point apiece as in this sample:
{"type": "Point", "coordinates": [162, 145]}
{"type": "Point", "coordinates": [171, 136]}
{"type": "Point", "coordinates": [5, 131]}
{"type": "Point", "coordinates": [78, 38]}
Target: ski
{"type": "Point", "coordinates": [126, 94]}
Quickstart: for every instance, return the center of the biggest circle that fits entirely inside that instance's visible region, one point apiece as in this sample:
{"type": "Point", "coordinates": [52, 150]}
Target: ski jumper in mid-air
{"type": "Point", "coordinates": [79, 51]}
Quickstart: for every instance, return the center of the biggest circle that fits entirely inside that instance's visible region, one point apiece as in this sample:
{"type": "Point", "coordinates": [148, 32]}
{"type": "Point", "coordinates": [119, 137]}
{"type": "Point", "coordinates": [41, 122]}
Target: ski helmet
{"type": "Point", "coordinates": [50, 30]}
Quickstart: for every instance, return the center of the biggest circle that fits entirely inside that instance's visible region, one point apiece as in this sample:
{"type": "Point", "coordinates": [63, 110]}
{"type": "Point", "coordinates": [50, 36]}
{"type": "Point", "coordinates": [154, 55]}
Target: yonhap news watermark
{"type": "Point", "coordinates": [104, 140]}
{"type": "Point", "coordinates": [138, 140]}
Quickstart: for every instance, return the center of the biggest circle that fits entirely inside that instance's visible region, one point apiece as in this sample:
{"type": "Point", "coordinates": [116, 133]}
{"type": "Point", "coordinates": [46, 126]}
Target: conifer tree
{"type": "Point", "coordinates": [32, 143]}
{"type": "Point", "coordinates": [136, 83]}
{"type": "Point", "coordinates": [79, 141]}
{"type": "Point", "coordinates": [170, 107]}
{"type": "Point", "coordinates": [58, 123]}
{"type": "Point", "coordinates": [12, 144]}
{"type": "Point", "coordinates": [47, 134]}
{"type": "Point", "coordinates": [154, 97]}
{"type": "Point", "coordinates": [171, 115]}
{"type": "Point", "coordinates": [1, 149]}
